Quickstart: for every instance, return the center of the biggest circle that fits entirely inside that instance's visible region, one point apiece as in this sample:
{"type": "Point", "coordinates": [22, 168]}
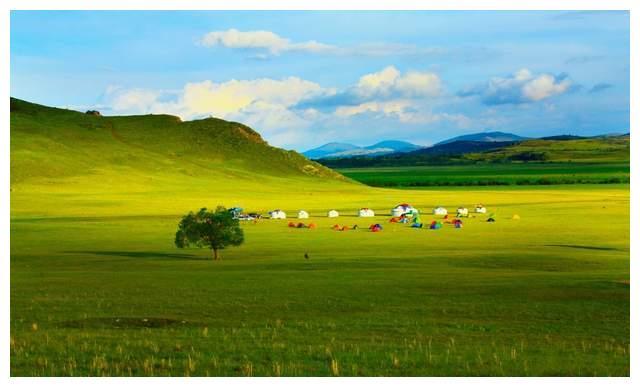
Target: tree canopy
{"type": "Point", "coordinates": [213, 229]}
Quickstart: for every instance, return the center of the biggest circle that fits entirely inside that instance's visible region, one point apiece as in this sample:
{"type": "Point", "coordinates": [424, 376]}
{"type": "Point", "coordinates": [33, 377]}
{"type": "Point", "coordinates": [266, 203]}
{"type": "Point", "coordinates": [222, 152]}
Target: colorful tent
{"type": "Point", "coordinates": [235, 211]}
{"type": "Point", "coordinates": [435, 225]}
{"type": "Point", "coordinates": [403, 209]}
{"type": "Point", "coordinates": [375, 227]}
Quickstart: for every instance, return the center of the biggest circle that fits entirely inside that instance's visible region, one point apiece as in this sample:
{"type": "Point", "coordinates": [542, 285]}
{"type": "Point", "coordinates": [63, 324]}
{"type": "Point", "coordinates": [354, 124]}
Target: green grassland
{"type": "Point", "coordinates": [97, 287]}
{"type": "Point", "coordinates": [492, 174]}
{"type": "Point", "coordinates": [614, 149]}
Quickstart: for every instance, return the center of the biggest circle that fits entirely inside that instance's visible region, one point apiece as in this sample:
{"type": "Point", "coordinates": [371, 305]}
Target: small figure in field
{"type": "Point", "coordinates": [306, 256]}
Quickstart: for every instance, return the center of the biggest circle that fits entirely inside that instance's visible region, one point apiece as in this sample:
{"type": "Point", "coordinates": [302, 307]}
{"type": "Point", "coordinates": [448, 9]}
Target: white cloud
{"type": "Point", "coordinates": [544, 86]}
{"type": "Point", "coordinates": [270, 116]}
{"type": "Point", "coordinates": [274, 44]}
{"type": "Point", "coordinates": [390, 82]}
{"type": "Point", "coordinates": [266, 40]}
{"type": "Point", "coordinates": [205, 98]}
{"type": "Point", "coordinates": [133, 100]}
{"type": "Point", "coordinates": [278, 108]}
{"type": "Point", "coordinates": [221, 99]}
{"type": "Point", "coordinates": [405, 111]}
{"type": "Point", "coordinates": [419, 84]}
{"type": "Point", "coordinates": [382, 81]}
{"type": "Point", "coordinates": [522, 87]}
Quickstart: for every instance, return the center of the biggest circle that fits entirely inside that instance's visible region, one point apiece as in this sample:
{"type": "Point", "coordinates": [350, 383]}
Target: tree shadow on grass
{"type": "Point", "coordinates": [584, 247]}
{"type": "Point", "coordinates": [125, 322]}
{"type": "Point", "coordinates": [142, 254]}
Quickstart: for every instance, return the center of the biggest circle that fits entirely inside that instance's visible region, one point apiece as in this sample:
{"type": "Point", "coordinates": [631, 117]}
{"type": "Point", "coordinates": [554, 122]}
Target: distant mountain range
{"type": "Point", "coordinates": [609, 148]}
{"type": "Point", "coordinates": [344, 150]}
{"type": "Point", "coordinates": [485, 137]}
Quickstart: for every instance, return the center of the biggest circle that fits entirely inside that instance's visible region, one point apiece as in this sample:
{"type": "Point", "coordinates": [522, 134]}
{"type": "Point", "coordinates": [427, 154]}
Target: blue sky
{"type": "Point", "coordinates": [306, 78]}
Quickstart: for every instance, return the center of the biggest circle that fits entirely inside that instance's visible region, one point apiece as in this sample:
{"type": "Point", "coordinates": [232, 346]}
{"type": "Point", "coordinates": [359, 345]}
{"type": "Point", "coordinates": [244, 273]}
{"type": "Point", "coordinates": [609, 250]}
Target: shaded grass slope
{"type": "Point", "coordinates": [52, 143]}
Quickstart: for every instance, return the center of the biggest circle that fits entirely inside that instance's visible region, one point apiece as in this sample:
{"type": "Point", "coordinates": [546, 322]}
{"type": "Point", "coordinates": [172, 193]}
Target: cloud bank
{"type": "Point", "coordinates": [291, 110]}
{"type": "Point", "coordinates": [266, 40]}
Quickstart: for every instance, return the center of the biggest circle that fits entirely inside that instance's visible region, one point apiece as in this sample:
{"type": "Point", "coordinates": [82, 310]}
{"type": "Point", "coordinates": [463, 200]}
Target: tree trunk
{"type": "Point", "coordinates": [215, 254]}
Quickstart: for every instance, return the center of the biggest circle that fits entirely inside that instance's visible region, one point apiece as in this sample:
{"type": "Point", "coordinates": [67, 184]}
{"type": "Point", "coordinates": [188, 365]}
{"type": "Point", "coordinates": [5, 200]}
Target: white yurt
{"type": "Point", "coordinates": [463, 211]}
{"type": "Point", "coordinates": [439, 211]}
{"type": "Point", "coordinates": [333, 214]}
{"type": "Point", "coordinates": [366, 213]}
{"type": "Point", "coordinates": [480, 209]}
{"type": "Point", "coordinates": [302, 214]}
{"type": "Point", "coordinates": [402, 209]}
{"type": "Point", "coordinates": [277, 214]}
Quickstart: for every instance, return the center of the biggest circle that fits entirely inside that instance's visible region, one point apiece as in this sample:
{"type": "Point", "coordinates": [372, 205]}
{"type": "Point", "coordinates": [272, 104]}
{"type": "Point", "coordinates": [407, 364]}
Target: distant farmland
{"type": "Point", "coordinates": [491, 174]}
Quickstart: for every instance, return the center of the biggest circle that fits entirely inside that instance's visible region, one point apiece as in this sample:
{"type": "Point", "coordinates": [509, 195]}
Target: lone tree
{"type": "Point", "coordinates": [215, 230]}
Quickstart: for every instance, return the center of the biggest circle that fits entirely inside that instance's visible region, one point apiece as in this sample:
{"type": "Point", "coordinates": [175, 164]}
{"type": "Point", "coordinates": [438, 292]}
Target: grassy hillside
{"type": "Point", "coordinates": [588, 150]}
{"type": "Point", "coordinates": [69, 163]}
{"type": "Point", "coordinates": [53, 143]}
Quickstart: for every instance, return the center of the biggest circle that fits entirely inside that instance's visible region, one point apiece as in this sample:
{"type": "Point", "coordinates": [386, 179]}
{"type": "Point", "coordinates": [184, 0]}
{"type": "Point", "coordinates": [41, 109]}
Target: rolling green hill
{"type": "Point", "coordinates": [48, 142]}
{"type": "Point", "coordinates": [587, 150]}
{"type": "Point", "coordinates": [65, 162]}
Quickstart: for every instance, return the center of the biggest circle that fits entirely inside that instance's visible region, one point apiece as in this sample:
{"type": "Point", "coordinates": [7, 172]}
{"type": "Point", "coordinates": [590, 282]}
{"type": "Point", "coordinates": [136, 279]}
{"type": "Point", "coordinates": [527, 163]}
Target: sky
{"type": "Point", "coordinates": [306, 78]}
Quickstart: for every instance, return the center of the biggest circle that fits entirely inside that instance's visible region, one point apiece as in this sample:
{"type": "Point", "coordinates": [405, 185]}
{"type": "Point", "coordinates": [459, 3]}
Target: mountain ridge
{"type": "Point", "coordinates": [51, 143]}
{"type": "Point", "coordinates": [338, 149]}
{"type": "Point", "coordinates": [496, 136]}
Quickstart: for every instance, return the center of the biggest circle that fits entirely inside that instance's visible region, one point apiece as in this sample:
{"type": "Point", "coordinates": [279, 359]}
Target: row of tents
{"type": "Point", "coordinates": [403, 209]}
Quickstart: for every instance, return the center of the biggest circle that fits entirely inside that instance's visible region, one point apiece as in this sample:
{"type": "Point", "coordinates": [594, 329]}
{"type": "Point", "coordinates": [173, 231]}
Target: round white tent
{"type": "Point", "coordinates": [480, 209]}
{"type": "Point", "coordinates": [333, 214]}
{"type": "Point", "coordinates": [463, 211]}
{"type": "Point", "coordinates": [403, 209]}
{"type": "Point", "coordinates": [366, 213]}
{"type": "Point", "coordinates": [302, 214]}
{"type": "Point", "coordinates": [277, 214]}
{"type": "Point", "coordinates": [439, 211]}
